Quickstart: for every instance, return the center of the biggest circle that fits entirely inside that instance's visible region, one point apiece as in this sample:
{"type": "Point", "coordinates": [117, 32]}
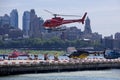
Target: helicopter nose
{"type": "Point", "coordinates": [44, 24]}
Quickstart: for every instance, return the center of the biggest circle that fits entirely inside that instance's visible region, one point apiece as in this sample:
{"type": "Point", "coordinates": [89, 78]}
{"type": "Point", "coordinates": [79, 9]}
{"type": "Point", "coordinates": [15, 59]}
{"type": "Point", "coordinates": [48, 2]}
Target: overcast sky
{"type": "Point", "coordinates": [104, 14]}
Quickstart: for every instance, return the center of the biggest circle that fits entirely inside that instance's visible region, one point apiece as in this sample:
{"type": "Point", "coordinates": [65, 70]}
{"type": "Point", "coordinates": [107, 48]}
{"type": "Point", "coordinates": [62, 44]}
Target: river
{"type": "Point", "coordinates": [112, 74]}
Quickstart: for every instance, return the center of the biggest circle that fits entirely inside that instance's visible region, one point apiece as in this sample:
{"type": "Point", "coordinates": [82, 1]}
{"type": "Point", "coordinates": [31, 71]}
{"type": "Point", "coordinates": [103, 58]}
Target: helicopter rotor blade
{"type": "Point", "coordinates": [48, 11]}
{"type": "Point", "coordinates": [68, 15]}
{"type": "Point", "coordinates": [51, 13]}
{"type": "Point", "coordinates": [61, 14]}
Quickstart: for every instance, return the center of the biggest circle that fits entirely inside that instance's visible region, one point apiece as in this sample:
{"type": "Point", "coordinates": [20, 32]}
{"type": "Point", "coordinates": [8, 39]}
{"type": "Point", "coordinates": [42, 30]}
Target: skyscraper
{"type": "Point", "coordinates": [35, 24]}
{"type": "Point", "coordinates": [0, 21]}
{"type": "Point", "coordinates": [14, 18]}
{"type": "Point", "coordinates": [117, 35]}
{"type": "Point", "coordinates": [26, 23]}
{"type": "Point", "coordinates": [87, 26]}
{"type": "Point", "coordinates": [4, 20]}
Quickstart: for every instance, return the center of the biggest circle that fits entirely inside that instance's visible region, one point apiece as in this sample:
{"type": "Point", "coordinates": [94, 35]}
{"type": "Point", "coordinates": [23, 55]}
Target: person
{"type": "Point", "coordinates": [4, 56]}
{"type": "Point", "coordinates": [35, 56]}
{"type": "Point", "coordinates": [29, 57]}
{"type": "Point", "coordinates": [46, 56]}
{"type": "Point", "coordinates": [56, 57]}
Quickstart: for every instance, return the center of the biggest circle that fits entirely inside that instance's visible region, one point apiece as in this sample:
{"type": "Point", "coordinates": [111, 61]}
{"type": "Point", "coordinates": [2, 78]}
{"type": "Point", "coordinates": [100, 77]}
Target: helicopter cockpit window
{"type": "Point", "coordinates": [48, 21]}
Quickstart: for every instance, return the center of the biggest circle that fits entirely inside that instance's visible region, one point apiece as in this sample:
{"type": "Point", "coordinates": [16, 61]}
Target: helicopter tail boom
{"type": "Point", "coordinates": [83, 18]}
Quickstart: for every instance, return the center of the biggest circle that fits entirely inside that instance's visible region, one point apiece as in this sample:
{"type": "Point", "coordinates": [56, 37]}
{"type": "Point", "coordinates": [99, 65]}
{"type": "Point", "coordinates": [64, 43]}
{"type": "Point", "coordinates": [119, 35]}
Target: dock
{"type": "Point", "coordinates": [13, 67]}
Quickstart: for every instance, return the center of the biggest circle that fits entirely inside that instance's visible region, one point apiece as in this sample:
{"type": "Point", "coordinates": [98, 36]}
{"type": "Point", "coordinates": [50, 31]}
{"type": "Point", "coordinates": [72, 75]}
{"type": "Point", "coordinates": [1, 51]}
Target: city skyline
{"type": "Point", "coordinates": [104, 15]}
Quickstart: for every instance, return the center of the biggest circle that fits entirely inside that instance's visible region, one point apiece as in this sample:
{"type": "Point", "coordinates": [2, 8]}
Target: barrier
{"type": "Point", "coordinates": [5, 63]}
{"type": "Point", "coordinates": [20, 62]}
{"type": "Point", "coordinates": [13, 63]}
{"type": "Point", "coordinates": [65, 61]}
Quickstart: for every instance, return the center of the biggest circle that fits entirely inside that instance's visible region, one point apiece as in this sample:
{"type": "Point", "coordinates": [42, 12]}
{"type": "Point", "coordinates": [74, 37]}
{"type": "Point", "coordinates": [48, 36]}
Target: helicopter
{"type": "Point", "coordinates": [111, 54]}
{"type": "Point", "coordinates": [56, 22]}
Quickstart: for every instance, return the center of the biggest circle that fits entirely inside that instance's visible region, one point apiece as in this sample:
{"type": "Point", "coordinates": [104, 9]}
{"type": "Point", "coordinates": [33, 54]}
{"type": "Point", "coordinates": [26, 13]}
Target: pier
{"type": "Point", "coordinates": [12, 67]}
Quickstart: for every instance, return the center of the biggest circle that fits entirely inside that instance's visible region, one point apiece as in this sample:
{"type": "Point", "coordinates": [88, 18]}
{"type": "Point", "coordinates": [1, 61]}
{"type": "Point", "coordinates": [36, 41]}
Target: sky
{"type": "Point", "coordinates": [104, 14]}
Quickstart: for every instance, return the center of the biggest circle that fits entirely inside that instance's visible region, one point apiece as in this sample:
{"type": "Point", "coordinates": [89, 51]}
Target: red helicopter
{"type": "Point", "coordinates": [56, 22]}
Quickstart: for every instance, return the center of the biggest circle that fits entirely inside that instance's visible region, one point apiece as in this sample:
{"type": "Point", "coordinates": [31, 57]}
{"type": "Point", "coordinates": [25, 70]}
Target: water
{"type": "Point", "coordinates": [113, 74]}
